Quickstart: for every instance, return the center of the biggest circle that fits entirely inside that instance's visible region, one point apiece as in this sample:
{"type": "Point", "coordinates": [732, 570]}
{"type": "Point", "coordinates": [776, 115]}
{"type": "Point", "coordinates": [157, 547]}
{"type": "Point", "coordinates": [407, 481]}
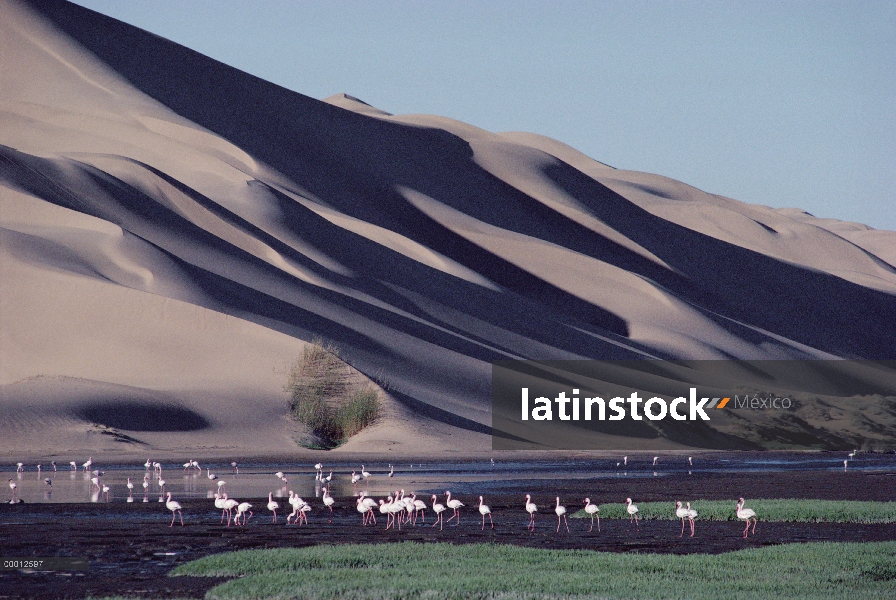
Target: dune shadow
{"type": "Point", "coordinates": [137, 415]}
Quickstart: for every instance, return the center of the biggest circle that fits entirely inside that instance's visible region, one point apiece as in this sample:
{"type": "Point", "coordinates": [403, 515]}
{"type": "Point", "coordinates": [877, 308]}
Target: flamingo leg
{"type": "Point", "coordinates": [692, 527]}
{"type": "Point", "coordinates": [181, 518]}
{"type": "Point", "coordinates": [755, 520]}
{"type": "Point", "coordinates": [598, 523]}
{"type": "Point", "coordinates": [682, 528]}
{"type": "Point", "coordinates": [490, 520]}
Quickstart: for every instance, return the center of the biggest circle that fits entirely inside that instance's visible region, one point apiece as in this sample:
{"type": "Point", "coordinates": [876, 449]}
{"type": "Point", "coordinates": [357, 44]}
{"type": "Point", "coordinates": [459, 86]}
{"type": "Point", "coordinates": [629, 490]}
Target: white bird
{"type": "Point", "coordinates": [364, 473]}
{"type": "Point", "coordinates": [438, 509]}
{"type": "Point", "coordinates": [20, 467]}
{"type": "Point", "coordinates": [272, 505]}
{"type": "Point", "coordinates": [87, 464]}
{"type": "Point", "coordinates": [161, 483]}
{"type": "Point", "coordinates": [145, 483]}
{"type": "Point", "coordinates": [221, 484]}
{"type": "Point", "coordinates": [241, 510]}
{"type": "Point", "coordinates": [852, 454]}
{"type": "Point", "coordinates": [531, 508]}
{"type": "Point", "coordinates": [561, 512]}
{"type": "Point", "coordinates": [209, 474]}
{"type": "Point", "coordinates": [175, 509]}
{"type": "Point", "coordinates": [236, 468]}
{"type": "Point", "coordinates": [355, 478]}
{"type": "Point", "coordinates": [391, 471]}
{"type": "Point", "coordinates": [845, 463]}
{"type": "Point", "coordinates": [745, 514]}
{"type": "Point", "coordinates": [195, 465]}
{"type": "Point", "coordinates": [419, 507]}
{"type": "Point", "coordinates": [53, 462]}
{"type": "Point", "coordinates": [13, 486]}
{"type": "Point", "coordinates": [229, 505]}
{"type": "Point", "coordinates": [147, 464]}
{"type": "Point", "coordinates": [219, 504]}
{"type": "Point", "coordinates": [95, 481]}
{"type": "Point", "coordinates": [130, 486]}
{"type": "Point", "coordinates": [691, 461]}
{"type": "Point", "coordinates": [366, 507]}
{"type": "Point", "coordinates": [106, 490]}
{"type": "Point", "coordinates": [281, 476]}
{"type": "Point", "coordinates": [624, 461]}
{"type": "Point", "coordinates": [655, 458]}
{"type": "Point", "coordinates": [632, 510]}
{"type": "Point", "coordinates": [319, 467]}
{"type": "Point", "coordinates": [454, 504]}
{"type": "Point", "coordinates": [682, 513]}
{"type": "Point", "coordinates": [187, 465]}
{"type": "Point", "coordinates": [328, 502]}
{"type": "Point", "coordinates": [328, 478]}
{"type": "Point", "coordinates": [592, 510]}
{"type": "Point", "coordinates": [485, 510]}
{"type": "Point", "coordinates": [73, 465]}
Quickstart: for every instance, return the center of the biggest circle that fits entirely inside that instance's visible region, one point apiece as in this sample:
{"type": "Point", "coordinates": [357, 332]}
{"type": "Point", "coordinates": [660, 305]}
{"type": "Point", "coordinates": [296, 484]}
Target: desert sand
{"type": "Point", "coordinates": [173, 231]}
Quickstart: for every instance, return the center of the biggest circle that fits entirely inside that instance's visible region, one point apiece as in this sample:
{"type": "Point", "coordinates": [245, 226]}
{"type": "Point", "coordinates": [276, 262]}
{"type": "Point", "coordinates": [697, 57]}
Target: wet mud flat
{"type": "Point", "coordinates": [131, 548]}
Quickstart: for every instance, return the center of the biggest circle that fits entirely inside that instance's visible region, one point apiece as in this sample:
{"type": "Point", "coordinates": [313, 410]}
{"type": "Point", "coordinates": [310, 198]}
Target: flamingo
{"type": "Point", "coordinates": [161, 483]}
{"type": "Point", "coordinates": [228, 506]}
{"type": "Point", "coordinates": [281, 476]}
{"type": "Point", "coordinates": [195, 465]}
{"type": "Point", "coordinates": [235, 467]}
{"type": "Point", "coordinates": [592, 510]}
{"type": "Point", "coordinates": [655, 458]}
{"type": "Point", "coordinates": [130, 487]}
{"type": "Point", "coordinates": [209, 474]}
{"type": "Point", "coordinates": [221, 485]}
{"type": "Point", "coordinates": [20, 467]}
{"type": "Point", "coordinates": [328, 502]}
{"type": "Point", "coordinates": [561, 512]}
{"type": "Point", "coordinates": [438, 509]}
{"type": "Point", "coordinates": [272, 505]}
{"type": "Point", "coordinates": [386, 509]}
{"type": "Point", "coordinates": [147, 464]}
{"type": "Point", "coordinates": [87, 464]}
{"type": "Point", "coordinates": [328, 478]}
{"type": "Point", "coordinates": [368, 504]}
{"type": "Point", "coordinates": [632, 510]}
{"type": "Point", "coordinates": [241, 510]}
{"type": "Point", "coordinates": [187, 465]}
{"type": "Point", "coordinates": [624, 461]}
{"type": "Point", "coordinates": [95, 481]}
{"type": "Point", "coordinates": [175, 509]}
{"type": "Point", "coordinates": [355, 478]}
{"type": "Point", "coordinates": [454, 504]}
{"type": "Point", "coordinates": [692, 514]}
{"type": "Point", "coordinates": [531, 508]}
{"type": "Point", "coordinates": [419, 507]}
{"type": "Point", "coordinates": [219, 504]}
{"type": "Point", "coordinates": [13, 486]}
{"type": "Point", "coordinates": [852, 454]}
{"type": "Point", "coordinates": [145, 483]}
{"type": "Point", "coordinates": [485, 510]}
{"type": "Point", "coordinates": [391, 471]}
{"type": "Point", "coordinates": [682, 513]}
{"type": "Point", "coordinates": [319, 467]}
{"type": "Point", "coordinates": [746, 514]}
{"type": "Point", "coordinates": [53, 463]}
{"type": "Point", "coordinates": [691, 461]}
{"type": "Point", "coordinates": [106, 490]}
{"type": "Point", "coordinates": [73, 465]}
{"type": "Point", "coordinates": [364, 473]}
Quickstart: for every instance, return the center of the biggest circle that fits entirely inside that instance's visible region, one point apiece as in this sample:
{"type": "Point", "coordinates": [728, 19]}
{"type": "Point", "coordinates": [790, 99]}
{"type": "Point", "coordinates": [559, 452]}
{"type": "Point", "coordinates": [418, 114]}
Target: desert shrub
{"type": "Point", "coordinates": [322, 397]}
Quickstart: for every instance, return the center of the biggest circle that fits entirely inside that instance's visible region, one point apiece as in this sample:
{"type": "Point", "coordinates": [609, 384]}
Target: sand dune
{"type": "Point", "coordinates": [176, 226]}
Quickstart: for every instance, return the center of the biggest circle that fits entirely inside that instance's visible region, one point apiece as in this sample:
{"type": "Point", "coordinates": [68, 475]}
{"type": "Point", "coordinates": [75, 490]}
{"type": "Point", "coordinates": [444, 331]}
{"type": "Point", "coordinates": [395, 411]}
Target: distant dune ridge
{"type": "Point", "coordinates": [172, 230]}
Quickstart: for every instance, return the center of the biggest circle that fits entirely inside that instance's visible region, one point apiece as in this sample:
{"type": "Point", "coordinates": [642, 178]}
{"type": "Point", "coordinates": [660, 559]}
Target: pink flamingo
{"type": "Point", "coordinates": [438, 509]}
{"type": "Point", "coordinates": [175, 509]}
{"type": "Point", "coordinates": [746, 514]}
{"type": "Point", "coordinates": [632, 510]}
{"type": "Point", "coordinates": [454, 504]}
{"type": "Point", "coordinates": [272, 505]}
{"type": "Point", "coordinates": [485, 510]}
{"type": "Point", "coordinates": [531, 508]}
{"type": "Point", "coordinates": [592, 510]}
{"type": "Point", "coordinates": [561, 512]}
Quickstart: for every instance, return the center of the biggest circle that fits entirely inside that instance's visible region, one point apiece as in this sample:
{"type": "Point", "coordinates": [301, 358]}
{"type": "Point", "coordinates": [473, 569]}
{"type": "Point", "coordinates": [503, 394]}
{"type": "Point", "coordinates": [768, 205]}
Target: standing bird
{"type": "Point", "coordinates": [272, 505]}
{"type": "Point", "coordinates": [219, 504]}
{"type": "Point", "coordinates": [419, 507]}
{"type": "Point", "coordinates": [147, 464]}
{"type": "Point", "coordinates": [561, 512]}
{"type": "Point", "coordinates": [485, 510]}
{"type": "Point", "coordinates": [624, 461]}
{"type": "Point", "coordinates": [241, 510]}
{"type": "Point", "coordinates": [592, 510]}
{"type": "Point", "coordinates": [20, 468]}
{"type": "Point", "coordinates": [328, 502]}
{"type": "Point", "coordinates": [391, 471]}
{"type": "Point", "coordinates": [632, 510]}
{"type": "Point", "coordinates": [105, 491]}
{"type": "Point", "coordinates": [691, 461]}
{"type": "Point", "coordinates": [229, 505]}
{"type": "Point", "coordinates": [355, 478]}
{"type": "Point", "coordinates": [73, 465]}
{"type": "Point", "coordinates": [235, 467]}
{"type": "Point", "coordinates": [455, 505]}
{"type": "Point", "coordinates": [531, 508]}
{"type": "Point", "coordinates": [682, 513]}
{"type": "Point", "coordinates": [655, 458]}
{"type": "Point", "coordinates": [13, 486]}
{"type": "Point", "coordinates": [87, 464]}
{"type": "Point", "coordinates": [53, 462]}
{"type": "Point", "coordinates": [209, 474]}
{"type": "Point", "coordinates": [364, 473]}
{"type": "Point", "coordinates": [745, 514]}
{"type": "Point", "coordinates": [436, 508]}
{"type": "Point", "coordinates": [221, 483]}
{"type": "Point", "coordinates": [175, 509]}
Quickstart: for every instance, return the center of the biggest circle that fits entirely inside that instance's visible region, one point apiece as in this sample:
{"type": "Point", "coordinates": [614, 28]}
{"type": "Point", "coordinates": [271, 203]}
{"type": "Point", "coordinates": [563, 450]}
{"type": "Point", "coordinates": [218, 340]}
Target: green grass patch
{"type": "Point", "coordinates": [436, 571]}
{"type": "Point", "coordinates": [805, 511]}
{"type": "Point", "coordinates": [323, 398]}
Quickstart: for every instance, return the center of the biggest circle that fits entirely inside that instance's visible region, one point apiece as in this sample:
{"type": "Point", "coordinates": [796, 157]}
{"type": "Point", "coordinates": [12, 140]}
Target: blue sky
{"type": "Point", "coordinates": [783, 104]}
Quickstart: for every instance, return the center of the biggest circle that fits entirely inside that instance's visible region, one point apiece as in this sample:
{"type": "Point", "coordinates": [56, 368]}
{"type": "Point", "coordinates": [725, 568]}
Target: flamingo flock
{"type": "Point", "coordinates": [398, 509]}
